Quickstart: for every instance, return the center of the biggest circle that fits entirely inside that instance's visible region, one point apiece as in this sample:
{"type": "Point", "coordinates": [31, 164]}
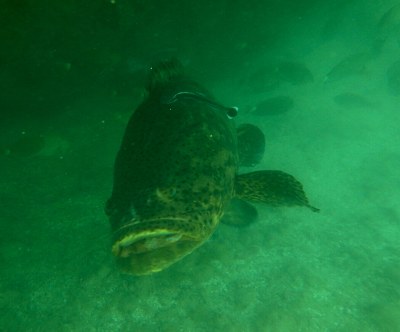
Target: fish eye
{"type": "Point", "coordinates": [231, 112]}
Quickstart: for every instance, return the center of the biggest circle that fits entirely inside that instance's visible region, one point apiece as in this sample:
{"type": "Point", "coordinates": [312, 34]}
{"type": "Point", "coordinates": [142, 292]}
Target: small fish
{"type": "Point", "coordinates": [27, 145]}
{"type": "Point", "coordinates": [265, 79]}
{"type": "Point", "coordinates": [295, 73]}
{"type": "Point", "coordinates": [33, 145]}
{"type": "Point", "coordinates": [273, 106]}
{"type": "Point", "coordinates": [352, 100]}
{"type": "Point", "coordinates": [393, 78]}
{"type": "Point", "coordinates": [176, 175]}
{"type": "Point", "coordinates": [388, 26]}
{"type": "Point", "coordinates": [352, 65]}
{"type": "Point", "coordinates": [271, 76]}
{"type": "Point", "coordinates": [390, 21]}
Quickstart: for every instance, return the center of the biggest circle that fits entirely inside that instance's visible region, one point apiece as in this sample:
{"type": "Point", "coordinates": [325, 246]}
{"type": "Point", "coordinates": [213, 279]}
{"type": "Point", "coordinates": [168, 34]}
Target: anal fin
{"type": "Point", "coordinates": [275, 188]}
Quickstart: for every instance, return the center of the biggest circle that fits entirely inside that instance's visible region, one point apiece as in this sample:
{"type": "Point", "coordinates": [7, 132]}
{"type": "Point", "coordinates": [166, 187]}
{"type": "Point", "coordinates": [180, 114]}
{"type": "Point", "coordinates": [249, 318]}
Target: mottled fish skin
{"type": "Point", "coordinates": [173, 176]}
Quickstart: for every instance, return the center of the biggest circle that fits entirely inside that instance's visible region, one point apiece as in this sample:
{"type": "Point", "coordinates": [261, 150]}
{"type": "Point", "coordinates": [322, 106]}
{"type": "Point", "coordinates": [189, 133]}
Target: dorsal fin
{"type": "Point", "coordinates": [164, 72]}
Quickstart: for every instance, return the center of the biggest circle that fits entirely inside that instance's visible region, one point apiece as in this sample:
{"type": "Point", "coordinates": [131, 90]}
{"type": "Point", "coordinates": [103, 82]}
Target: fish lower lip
{"type": "Point", "coordinates": [137, 244]}
{"type": "Point", "coordinates": [141, 236]}
{"type": "Point", "coordinates": [145, 247]}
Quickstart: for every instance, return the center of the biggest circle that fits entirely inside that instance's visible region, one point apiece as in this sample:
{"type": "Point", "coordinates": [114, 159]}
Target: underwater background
{"type": "Point", "coordinates": [322, 80]}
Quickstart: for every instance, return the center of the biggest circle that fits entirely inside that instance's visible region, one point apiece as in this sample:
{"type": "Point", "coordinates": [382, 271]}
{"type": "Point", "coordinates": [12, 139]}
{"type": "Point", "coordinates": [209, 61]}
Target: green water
{"type": "Point", "coordinates": [71, 75]}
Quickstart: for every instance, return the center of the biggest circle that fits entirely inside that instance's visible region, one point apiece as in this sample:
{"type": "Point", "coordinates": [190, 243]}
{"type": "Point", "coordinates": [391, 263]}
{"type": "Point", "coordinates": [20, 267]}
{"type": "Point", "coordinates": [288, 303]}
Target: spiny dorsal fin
{"type": "Point", "coordinates": [164, 72]}
{"type": "Point", "coordinates": [275, 188]}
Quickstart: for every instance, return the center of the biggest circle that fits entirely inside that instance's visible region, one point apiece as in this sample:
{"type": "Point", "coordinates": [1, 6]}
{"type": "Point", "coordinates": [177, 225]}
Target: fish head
{"type": "Point", "coordinates": [143, 247]}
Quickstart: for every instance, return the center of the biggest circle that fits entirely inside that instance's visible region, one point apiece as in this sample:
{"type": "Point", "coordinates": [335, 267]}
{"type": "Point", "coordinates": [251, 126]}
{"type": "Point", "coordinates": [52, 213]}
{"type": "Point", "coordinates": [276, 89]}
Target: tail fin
{"type": "Point", "coordinates": [164, 72]}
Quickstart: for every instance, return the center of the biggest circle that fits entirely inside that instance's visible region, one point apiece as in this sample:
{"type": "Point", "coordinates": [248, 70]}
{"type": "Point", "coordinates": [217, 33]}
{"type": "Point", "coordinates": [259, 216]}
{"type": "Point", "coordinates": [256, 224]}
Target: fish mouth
{"type": "Point", "coordinates": [146, 247]}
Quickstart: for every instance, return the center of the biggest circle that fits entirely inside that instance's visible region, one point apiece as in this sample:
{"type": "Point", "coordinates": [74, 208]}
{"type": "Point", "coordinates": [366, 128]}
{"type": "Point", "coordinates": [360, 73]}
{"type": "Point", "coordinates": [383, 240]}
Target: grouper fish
{"type": "Point", "coordinates": [176, 175]}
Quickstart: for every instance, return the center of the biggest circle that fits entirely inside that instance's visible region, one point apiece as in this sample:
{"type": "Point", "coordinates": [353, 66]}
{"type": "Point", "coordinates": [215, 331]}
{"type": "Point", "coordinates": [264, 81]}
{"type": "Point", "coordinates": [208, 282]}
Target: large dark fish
{"type": "Point", "coordinates": [176, 175]}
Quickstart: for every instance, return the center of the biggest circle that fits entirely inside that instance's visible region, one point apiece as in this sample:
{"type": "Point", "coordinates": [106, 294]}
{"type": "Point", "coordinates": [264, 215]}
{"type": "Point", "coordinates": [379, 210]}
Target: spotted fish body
{"type": "Point", "coordinates": [174, 175]}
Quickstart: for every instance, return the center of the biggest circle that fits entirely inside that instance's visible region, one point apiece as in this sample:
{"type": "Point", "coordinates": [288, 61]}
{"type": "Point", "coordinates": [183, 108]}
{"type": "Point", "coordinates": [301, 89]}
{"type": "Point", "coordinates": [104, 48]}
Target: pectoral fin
{"type": "Point", "coordinates": [239, 213]}
{"type": "Point", "coordinates": [275, 188]}
{"type": "Point", "coordinates": [251, 144]}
